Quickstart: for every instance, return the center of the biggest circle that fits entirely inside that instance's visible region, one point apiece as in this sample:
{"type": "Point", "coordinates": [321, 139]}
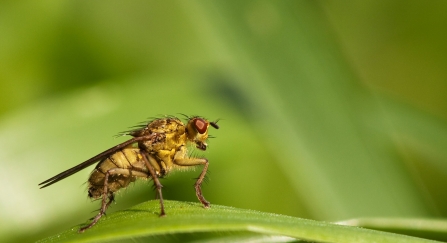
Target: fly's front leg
{"type": "Point", "coordinates": [150, 161]}
{"type": "Point", "coordinates": [198, 184]}
{"type": "Point", "coordinates": [105, 204]}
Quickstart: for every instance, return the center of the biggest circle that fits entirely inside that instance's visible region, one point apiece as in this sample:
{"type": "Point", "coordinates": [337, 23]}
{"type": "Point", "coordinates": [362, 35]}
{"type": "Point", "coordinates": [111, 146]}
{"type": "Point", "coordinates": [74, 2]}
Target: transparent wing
{"type": "Point", "coordinates": [93, 160]}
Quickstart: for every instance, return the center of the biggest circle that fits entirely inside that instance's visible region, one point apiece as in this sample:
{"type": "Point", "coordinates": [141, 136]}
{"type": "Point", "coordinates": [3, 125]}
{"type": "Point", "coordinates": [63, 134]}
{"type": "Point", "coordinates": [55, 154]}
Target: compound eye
{"type": "Point", "coordinates": [201, 125]}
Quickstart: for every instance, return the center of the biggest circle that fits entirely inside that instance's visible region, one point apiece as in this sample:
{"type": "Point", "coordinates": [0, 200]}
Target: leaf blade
{"type": "Point", "coordinates": [183, 217]}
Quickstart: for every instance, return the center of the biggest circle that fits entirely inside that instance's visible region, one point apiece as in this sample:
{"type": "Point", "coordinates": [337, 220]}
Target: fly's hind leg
{"type": "Point", "coordinates": [111, 199]}
{"type": "Point", "coordinates": [106, 194]}
{"type": "Point", "coordinates": [198, 184]}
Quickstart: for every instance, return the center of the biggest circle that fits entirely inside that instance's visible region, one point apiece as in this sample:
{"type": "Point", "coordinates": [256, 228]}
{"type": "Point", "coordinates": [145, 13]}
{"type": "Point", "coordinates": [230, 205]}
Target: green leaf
{"type": "Point", "coordinates": [185, 217]}
{"type": "Point", "coordinates": [419, 227]}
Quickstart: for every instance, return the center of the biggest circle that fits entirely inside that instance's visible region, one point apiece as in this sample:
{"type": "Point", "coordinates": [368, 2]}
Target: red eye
{"type": "Point", "coordinates": [201, 125]}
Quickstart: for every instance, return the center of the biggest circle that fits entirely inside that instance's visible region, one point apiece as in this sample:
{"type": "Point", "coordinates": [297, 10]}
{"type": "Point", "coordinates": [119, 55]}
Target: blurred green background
{"type": "Point", "coordinates": [329, 110]}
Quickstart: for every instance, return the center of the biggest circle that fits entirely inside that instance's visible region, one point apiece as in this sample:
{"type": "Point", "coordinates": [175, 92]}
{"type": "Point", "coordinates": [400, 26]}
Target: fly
{"type": "Point", "coordinates": [157, 147]}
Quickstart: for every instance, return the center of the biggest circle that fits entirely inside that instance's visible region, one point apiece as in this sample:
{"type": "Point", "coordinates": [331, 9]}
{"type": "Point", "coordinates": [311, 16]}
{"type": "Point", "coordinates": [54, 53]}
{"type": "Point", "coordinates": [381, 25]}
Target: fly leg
{"type": "Point", "coordinates": [198, 184]}
{"type": "Point", "coordinates": [105, 204]}
{"type": "Point", "coordinates": [150, 161]}
{"type": "Point", "coordinates": [111, 199]}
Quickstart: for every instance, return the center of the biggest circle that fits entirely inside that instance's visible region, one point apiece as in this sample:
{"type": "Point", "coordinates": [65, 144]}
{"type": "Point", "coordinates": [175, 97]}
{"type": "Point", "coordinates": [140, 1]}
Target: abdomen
{"type": "Point", "coordinates": [127, 158]}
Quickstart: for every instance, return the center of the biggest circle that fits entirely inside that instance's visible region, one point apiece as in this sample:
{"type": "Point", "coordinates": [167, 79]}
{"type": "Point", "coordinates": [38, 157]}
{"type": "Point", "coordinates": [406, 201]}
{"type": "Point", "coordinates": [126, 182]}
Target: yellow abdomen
{"type": "Point", "coordinates": [128, 158]}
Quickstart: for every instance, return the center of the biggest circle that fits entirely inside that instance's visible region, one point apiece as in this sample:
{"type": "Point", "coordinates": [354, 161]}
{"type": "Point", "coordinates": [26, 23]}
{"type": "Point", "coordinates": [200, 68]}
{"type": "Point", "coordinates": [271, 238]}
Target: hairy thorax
{"type": "Point", "coordinates": [167, 144]}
